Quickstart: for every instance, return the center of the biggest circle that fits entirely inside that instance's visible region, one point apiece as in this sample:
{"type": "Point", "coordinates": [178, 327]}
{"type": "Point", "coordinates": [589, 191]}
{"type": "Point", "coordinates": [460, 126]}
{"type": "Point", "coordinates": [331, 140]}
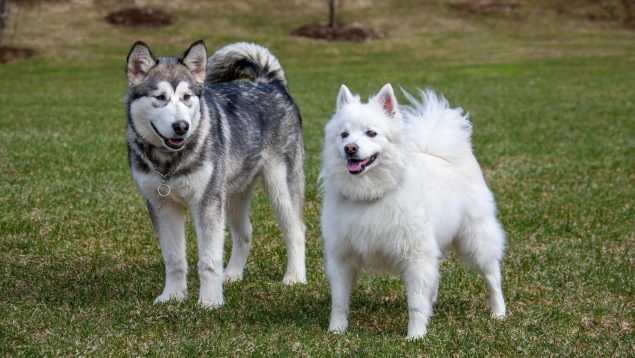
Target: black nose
{"type": "Point", "coordinates": [351, 148]}
{"type": "Point", "coordinates": [180, 127]}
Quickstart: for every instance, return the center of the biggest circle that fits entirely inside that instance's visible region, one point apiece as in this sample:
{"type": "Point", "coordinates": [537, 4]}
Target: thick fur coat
{"type": "Point", "coordinates": [200, 140]}
{"type": "Point", "coordinates": [400, 187]}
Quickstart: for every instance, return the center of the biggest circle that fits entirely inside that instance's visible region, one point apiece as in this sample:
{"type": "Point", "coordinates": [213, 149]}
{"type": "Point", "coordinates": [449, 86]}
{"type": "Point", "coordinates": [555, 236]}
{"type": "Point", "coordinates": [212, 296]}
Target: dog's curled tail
{"type": "Point", "coordinates": [245, 60]}
{"type": "Point", "coordinates": [436, 129]}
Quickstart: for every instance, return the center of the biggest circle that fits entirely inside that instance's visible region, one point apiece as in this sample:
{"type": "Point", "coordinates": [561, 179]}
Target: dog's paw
{"type": "Point", "coordinates": [417, 328]}
{"type": "Point", "coordinates": [294, 279]}
{"type": "Point", "coordinates": [416, 335]}
{"type": "Point", "coordinates": [233, 276]}
{"type": "Point", "coordinates": [210, 304]}
{"type": "Point", "coordinates": [338, 326]}
{"type": "Point", "coordinates": [170, 296]}
{"type": "Point", "coordinates": [338, 331]}
{"type": "Point", "coordinates": [497, 309]}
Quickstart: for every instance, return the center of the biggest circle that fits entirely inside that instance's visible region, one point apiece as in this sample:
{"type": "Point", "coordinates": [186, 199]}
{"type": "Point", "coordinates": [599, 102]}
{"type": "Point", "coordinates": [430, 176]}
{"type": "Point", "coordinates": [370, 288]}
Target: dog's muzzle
{"type": "Point", "coordinates": [176, 143]}
{"type": "Point", "coordinates": [356, 166]}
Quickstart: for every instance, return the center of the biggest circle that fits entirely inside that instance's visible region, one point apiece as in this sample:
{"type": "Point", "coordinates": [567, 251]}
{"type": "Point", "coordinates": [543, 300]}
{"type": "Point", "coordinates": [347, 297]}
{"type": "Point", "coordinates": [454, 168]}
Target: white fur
{"type": "Point", "coordinates": [275, 177]}
{"type": "Point", "coordinates": [162, 114]}
{"type": "Point", "coordinates": [170, 217]}
{"type": "Point", "coordinates": [424, 193]}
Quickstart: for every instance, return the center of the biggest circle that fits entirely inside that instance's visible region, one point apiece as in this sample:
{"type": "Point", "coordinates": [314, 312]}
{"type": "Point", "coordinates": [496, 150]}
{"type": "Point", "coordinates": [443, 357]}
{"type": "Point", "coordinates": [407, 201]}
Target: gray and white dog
{"type": "Point", "coordinates": [199, 139]}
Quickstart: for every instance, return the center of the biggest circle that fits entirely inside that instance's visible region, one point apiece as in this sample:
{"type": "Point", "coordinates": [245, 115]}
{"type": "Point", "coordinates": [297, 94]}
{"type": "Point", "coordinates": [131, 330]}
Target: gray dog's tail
{"type": "Point", "coordinates": [245, 60]}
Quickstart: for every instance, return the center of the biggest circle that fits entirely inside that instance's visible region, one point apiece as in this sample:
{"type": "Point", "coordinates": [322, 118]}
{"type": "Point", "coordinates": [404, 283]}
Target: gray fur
{"type": "Point", "coordinates": [244, 131]}
{"type": "Point", "coordinates": [234, 61]}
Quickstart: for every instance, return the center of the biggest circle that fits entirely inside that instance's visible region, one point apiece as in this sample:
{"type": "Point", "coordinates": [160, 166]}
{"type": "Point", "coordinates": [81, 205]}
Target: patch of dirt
{"type": "Point", "coordinates": [10, 54]}
{"type": "Point", "coordinates": [616, 11]}
{"type": "Point", "coordinates": [487, 7]}
{"type": "Point", "coordinates": [339, 32]}
{"type": "Point", "coordinates": [140, 17]}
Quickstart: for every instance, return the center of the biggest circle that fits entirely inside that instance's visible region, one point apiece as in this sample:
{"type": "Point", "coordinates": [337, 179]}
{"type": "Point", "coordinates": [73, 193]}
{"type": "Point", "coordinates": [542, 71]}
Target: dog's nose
{"type": "Point", "coordinates": [180, 127]}
{"type": "Point", "coordinates": [351, 148]}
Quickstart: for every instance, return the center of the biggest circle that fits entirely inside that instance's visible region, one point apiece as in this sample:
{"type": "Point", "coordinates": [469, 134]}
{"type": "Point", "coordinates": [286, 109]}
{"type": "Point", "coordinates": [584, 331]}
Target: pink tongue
{"type": "Point", "coordinates": [354, 166]}
{"type": "Point", "coordinates": [176, 142]}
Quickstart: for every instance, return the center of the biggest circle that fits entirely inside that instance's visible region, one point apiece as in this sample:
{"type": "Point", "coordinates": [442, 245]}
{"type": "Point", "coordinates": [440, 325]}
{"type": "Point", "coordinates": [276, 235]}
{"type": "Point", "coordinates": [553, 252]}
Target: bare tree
{"type": "Point", "coordinates": [331, 4]}
{"type": "Point", "coordinates": [4, 15]}
{"type": "Point", "coordinates": [629, 6]}
{"type": "Point", "coordinates": [334, 8]}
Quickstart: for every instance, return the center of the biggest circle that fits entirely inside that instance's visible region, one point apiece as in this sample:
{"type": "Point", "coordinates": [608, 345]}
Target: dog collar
{"type": "Point", "coordinates": [163, 189]}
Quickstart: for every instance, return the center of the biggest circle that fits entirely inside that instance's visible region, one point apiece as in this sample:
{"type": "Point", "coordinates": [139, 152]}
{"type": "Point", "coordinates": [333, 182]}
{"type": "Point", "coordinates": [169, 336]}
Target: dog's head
{"type": "Point", "coordinates": [164, 94]}
{"type": "Point", "coordinates": [363, 149]}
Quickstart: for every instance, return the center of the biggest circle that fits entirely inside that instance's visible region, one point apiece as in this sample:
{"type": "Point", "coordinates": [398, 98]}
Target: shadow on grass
{"type": "Point", "coordinates": [308, 306]}
{"type": "Point", "coordinates": [106, 282]}
{"type": "Point", "coordinates": [79, 282]}
{"type": "Point", "coordinates": [378, 305]}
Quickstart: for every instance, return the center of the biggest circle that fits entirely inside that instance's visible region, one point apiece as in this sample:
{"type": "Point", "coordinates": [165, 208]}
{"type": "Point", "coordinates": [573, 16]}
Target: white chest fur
{"type": "Point", "coordinates": [383, 234]}
{"type": "Point", "coordinates": [184, 189]}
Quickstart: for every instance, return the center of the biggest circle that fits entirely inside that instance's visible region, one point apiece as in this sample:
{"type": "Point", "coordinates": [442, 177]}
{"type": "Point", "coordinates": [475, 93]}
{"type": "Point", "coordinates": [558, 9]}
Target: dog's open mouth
{"type": "Point", "coordinates": [356, 166]}
{"type": "Point", "coordinates": [172, 143]}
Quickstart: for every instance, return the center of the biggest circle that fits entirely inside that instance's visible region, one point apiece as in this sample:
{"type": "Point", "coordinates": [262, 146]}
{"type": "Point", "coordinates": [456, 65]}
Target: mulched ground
{"type": "Point", "coordinates": [10, 53]}
{"type": "Point", "coordinates": [340, 32]}
{"type": "Point", "coordinates": [487, 7]}
{"type": "Point", "coordinates": [140, 17]}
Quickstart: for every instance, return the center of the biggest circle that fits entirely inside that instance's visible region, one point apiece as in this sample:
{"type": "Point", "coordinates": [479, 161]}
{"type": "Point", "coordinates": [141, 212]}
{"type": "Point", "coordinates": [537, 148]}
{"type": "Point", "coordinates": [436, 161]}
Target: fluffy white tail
{"type": "Point", "coordinates": [433, 128]}
{"type": "Point", "coordinates": [244, 60]}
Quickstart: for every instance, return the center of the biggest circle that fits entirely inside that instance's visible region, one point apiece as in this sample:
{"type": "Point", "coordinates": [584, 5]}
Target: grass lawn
{"type": "Point", "coordinates": [552, 100]}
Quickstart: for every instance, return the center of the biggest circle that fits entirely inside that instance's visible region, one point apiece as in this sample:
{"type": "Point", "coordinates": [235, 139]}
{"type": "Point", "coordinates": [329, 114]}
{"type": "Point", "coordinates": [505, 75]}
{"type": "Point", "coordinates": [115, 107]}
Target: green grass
{"type": "Point", "coordinates": [552, 101]}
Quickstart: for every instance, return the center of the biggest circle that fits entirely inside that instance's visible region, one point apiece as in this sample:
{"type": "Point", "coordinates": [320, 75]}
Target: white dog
{"type": "Point", "coordinates": [400, 186]}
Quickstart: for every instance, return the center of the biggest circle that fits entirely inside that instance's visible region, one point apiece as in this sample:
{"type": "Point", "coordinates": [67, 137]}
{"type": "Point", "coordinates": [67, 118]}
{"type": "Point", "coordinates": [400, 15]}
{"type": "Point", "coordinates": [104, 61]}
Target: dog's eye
{"type": "Point", "coordinates": [160, 97]}
{"type": "Point", "coordinates": [344, 135]}
{"type": "Point", "coordinates": [186, 97]}
{"type": "Point", "coordinates": [371, 134]}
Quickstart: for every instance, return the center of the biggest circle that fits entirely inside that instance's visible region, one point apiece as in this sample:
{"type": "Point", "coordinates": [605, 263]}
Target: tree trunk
{"type": "Point", "coordinates": [628, 9]}
{"type": "Point", "coordinates": [331, 4]}
{"type": "Point", "coordinates": [4, 15]}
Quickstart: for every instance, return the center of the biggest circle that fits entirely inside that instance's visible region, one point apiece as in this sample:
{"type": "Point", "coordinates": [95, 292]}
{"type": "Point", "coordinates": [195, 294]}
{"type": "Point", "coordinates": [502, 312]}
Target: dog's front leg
{"type": "Point", "coordinates": [341, 274]}
{"type": "Point", "coordinates": [209, 219]}
{"type": "Point", "coordinates": [422, 278]}
{"type": "Point", "coordinates": [168, 220]}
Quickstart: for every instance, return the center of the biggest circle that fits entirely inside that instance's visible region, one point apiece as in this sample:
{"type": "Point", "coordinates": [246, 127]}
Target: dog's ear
{"type": "Point", "coordinates": [344, 97]}
{"type": "Point", "coordinates": [195, 59]}
{"type": "Point", "coordinates": [386, 98]}
{"type": "Point", "coordinates": [140, 62]}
